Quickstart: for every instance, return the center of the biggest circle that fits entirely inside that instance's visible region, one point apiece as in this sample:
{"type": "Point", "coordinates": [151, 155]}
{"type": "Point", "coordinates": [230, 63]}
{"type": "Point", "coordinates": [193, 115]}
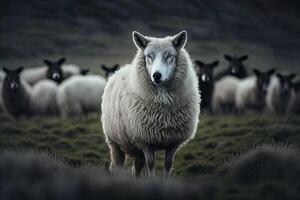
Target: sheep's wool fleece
{"type": "Point", "coordinates": [135, 112]}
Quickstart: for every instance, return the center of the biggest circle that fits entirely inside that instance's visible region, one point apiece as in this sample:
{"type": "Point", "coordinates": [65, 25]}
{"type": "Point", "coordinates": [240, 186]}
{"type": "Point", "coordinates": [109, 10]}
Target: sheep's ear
{"type": "Point", "coordinates": [139, 40]}
{"type": "Point", "coordinates": [228, 57]}
{"type": "Point", "coordinates": [214, 64]}
{"type": "Point", "coordinates": [48, 62]}
{"type": "Point", "coordinates": [279, 75]}
{"type": "Point", "coordinates": [199, 63]}
{"type": "Point", "coordinates": [271, 71]}
{"type": "Point", "coordinates": [180, 39]}
{"type": "Point", "coordinates": [256, 72]}
{"type": "Point", "coordinates": [292, 76]}
{"type": "Point", "coordinates": [19, 70]}
{"type": "Point", "coordinates": [5, 70]}
{"type": "Point", "coordinates": [243, 58]}
{"type": "Point", "coordinates": [116, 67]}
{"type": "Point", "coordinates": [61, 60]}
{"type": "Point", "coordinates": [104, 67]}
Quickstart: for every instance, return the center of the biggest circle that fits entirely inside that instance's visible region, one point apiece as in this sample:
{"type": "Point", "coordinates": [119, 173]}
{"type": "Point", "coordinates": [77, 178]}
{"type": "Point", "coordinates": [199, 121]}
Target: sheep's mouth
{"type": "Point", "coordinates": [158, 82]}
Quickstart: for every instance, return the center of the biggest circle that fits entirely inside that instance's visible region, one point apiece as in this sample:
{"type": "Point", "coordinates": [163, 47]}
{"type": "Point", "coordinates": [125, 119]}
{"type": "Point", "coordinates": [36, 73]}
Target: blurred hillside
{"type": "Point", "coordinates": [31, 28]}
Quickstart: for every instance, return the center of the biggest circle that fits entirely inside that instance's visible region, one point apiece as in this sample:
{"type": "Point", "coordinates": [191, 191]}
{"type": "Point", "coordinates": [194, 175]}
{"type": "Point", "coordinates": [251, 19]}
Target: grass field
{"type": "Point", "coordinates": [218, 139]}
{"type": "Point", "coordinates": [205, 159]}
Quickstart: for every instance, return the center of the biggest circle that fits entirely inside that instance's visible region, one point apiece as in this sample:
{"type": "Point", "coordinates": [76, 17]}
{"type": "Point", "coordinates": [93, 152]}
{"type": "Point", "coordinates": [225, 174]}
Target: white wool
{"type": "Point", "coordinates": [33, 75]}
{"type": "Point", "coordinates": [246, 98]}
{"type": "Point", "coordinates": [70, 70]}
{"type": "Point", "coordinates": [135, 114]}
{"type": "Point", "coordinates": [224, 93]}
{"type": "Point", "coordinates": [275, 102]}
{"type": "Point", "coordinates": [43, 98]}
{"type": "Point", "coordinates": [80, 95]}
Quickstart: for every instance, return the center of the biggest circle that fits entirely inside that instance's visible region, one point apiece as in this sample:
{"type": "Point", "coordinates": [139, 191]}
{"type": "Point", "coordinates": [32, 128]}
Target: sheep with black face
{"type": "Point", "coordinates": [206, 83]}
{"type": "Point", "coordinates": [251, 92]}
{"type": "Point", "coordinates": [110, 71]}
{"type": "Point", "coordinates": [16, 93]}
{"type": "Point", "coordinates": [235, 68]}
{"type": "Point", "coordinates": [54, 70]}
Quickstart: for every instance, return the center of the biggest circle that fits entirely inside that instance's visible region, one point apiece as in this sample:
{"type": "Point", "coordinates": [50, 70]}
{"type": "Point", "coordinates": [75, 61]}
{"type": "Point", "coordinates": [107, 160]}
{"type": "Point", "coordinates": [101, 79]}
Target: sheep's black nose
{"type": "Point", "coordinates": [156, 76]}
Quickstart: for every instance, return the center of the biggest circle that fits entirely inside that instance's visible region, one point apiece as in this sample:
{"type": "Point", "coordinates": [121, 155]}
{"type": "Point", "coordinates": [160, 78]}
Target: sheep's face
{"type": "Point", "coordinates": [110, 71]}
{"type": "Point", "coordinates": [54, 70]}
{"type": "Point", "coordinates": [263, 79]}
{"type": "Point", "coordinates": [160, 55]}
{"type": "Point", "coordinates": [205, 70]}
{"type": "Point", "coordinates": [12, 79]}
{"type": "Point", "coordinates": [286, 83]}
{"type": "Point", "coordinates": [235, 64]}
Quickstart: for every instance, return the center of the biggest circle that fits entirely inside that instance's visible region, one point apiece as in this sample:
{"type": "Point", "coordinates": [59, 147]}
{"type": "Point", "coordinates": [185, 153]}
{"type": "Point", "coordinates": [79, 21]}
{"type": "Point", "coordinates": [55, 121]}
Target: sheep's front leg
{"type": "Point", "coordinates": [150, 161]}
{"type": "Point", "coordinates": [169, 159]}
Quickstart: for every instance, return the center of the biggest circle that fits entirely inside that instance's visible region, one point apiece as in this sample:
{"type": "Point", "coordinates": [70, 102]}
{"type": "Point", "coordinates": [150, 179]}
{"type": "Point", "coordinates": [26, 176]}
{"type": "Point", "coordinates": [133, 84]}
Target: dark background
{"type": "Point", "coordinates": [93, 32]}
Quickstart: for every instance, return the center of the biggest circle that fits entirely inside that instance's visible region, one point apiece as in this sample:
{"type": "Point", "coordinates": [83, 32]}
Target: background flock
{"type": "Point", "coordinates": [69, 90]}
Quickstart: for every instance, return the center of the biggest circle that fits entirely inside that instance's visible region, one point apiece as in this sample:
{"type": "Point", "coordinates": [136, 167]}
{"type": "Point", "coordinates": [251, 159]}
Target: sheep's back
{"type": "Point", "coordinates": [70, 70]}
{"type": "Point", "coordinates": [44, 97]}
{"type": "Point", "coordinates": [244, 91]}
{"type": "Point", "coordinates": [33, 75]}
{"type": "Point", "coordinates": [86, 90]}
{"type": "Point", "coordinates": [225, 89]}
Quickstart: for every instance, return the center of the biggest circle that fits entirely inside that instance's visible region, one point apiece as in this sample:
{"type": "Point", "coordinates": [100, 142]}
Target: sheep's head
{"type": "Point", "coordinates": [84, 71]}
{"type": "Point", "coordinates": [160, 54]}
{"type": "Point", "coordinates": [236, 65]}
{"type": "Point", "coordinates": [110, 71]}
{"type": "Point", "coordinates": [54, 70]}
{"type": "Point", "coordinates": [286, 82]}
{"type": "Point", "coordinates": [206, 70]}
{"type": "Point", "coordinates": [263, 79]}
{"type": "Point", "coordinates": [12, 78]}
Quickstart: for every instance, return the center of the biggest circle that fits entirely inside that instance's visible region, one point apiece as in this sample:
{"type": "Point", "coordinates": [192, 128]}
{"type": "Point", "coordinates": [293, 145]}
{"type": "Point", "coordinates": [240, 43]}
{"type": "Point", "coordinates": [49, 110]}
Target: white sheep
{"type": "Point", "coordinates": [251, 92]}
{"type": "Point", "coordinates": [80, 95]}
{"type": "Point", "coordinates": [43, 98]}
{"type": "Point", "coordinates": [151, 104]}
{"type": "Point", "coordinates": [224, 94]}
{"type": "Point", "coordinates": [33, 75]}
{"type": "Point", "coordinates": [281, 95]}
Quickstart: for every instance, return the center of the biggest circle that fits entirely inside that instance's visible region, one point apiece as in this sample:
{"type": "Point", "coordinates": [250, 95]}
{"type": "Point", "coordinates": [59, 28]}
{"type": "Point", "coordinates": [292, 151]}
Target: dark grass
{"type": "Point", "coordinates": [219, 140]}
{"type": "Point", "coordinates": [32, 175]}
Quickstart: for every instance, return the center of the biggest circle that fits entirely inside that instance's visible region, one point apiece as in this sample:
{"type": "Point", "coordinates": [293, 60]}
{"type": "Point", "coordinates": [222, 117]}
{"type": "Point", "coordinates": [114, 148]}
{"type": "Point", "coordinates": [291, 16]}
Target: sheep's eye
{"type": "Point", "coordinates": [149, 56]}
{"type": "Point", "coordinates": [168, 56]}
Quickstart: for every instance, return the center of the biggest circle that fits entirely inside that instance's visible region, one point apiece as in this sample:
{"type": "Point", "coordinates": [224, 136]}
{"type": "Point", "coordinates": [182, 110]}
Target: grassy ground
{"type": "Point", "coordinates": [218, 139]}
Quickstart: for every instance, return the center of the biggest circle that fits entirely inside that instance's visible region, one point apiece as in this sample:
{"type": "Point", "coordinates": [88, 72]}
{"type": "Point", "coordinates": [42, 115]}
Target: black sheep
{"type": "Point", "coordinates": [235, 68]}
{"type": "Point", "coordinates": [206, 83]}
{"type": "Point", "coordinates": [15, 93]}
